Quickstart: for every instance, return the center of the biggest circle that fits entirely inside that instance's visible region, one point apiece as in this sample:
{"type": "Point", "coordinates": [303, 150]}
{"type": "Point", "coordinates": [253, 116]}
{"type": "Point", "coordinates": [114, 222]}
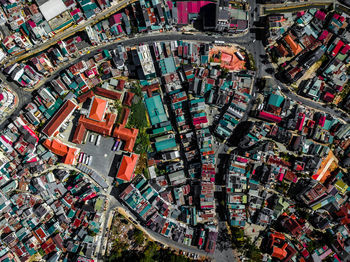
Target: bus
{"type": "Point", "coordinates": [218, 42]}
{"type": "Point", "coordinates": [239, 55]}
{"type": "Point", "coordinates": [115, 145]}
{"type": "Point", "coordinates": [120, 145]}
{"type": "Point", "coordinates": [86, 160]}
{"type": "Point", "coordinates": [90, 160]}
{"type": "Point", "coordinates": [98, 140]}
{"type": "Point", "coordinates": [81, 157]}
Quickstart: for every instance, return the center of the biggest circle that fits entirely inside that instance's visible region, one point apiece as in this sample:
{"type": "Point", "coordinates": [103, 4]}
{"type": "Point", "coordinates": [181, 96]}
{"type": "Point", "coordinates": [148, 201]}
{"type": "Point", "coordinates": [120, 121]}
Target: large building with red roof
{"type": "Point", "coordinates": [69, 154]}
{"type": "Point", "coordinates": [63, 114]}
{"type": "Point", "coordinates": [97, 108]}
{"type": "Point", "coordinates": [102, 123]}
{"type": "Point", "coordinates": [97, 120]}
{"type": "Point", "coordinates": [126, 168]}
{"type": "Point", "coordinates": [129, 135]}
{"type": "Point", "coordinates": [104, 127]}
{"type": "Point", "coordinates": [107, 93]}
{"type": "Point", "coordinates": [279, 247]}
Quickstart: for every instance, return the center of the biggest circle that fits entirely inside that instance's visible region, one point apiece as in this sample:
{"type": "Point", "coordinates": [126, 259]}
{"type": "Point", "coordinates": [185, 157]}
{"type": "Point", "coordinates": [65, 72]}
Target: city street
{"type": "Point", "coordinates": [103, 160]}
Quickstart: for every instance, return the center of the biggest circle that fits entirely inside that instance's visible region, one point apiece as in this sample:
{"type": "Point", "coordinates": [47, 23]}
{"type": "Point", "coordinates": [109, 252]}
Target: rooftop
{"type": "Point", "coordinates": [97, 108]}
{"type": "Point", "coordinates": [126, 168]}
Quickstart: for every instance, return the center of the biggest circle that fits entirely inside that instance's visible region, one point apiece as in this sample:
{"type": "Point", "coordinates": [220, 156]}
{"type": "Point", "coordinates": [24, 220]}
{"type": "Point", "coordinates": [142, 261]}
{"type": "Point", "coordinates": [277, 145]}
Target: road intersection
{"type": "Point", "coordinates": [248, 41]}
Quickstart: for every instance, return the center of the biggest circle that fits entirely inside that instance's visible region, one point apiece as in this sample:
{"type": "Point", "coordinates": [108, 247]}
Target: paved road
{"type": "Point", "coordinates": [258, 50]}
{"type": "Point", "coordinates": [23, 99]}
{"type": "Point", "coordinates": [68, 32]}
{"type": "Point", "coordinates": [114, 203]}
{"type": "Point", "coordinates": [247, 41]}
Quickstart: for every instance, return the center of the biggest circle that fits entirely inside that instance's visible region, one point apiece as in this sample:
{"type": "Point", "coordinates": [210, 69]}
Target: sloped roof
{"type": "Point", "coordinates": [60, 149]}
{"type": "Point", "coordinates": [104, 127]}
{"type": "Point", "coordinates": [49, 12]}
{"type": "Point", "coordinates": [279, 253]}
{"type": "Point", "coordinates": [61, 115]}
{"type": "Point", "coordinates": [128, 98]}
{"type": "Point", "coordinates": [107, 93]}
{"type": "Point", "coordinates": [128, 135]}
{"type": "Point", "coordinates": [156, 110]}
{"type": "Point", "coordinates": [276, 100]}
{"type": "Point", "coordinates": [79, 134]}
{"type": "Point", "coordinates": [56, 147]}
{"type": "Point", "coordinates": [126, 168]}
{"type": "Point", "coordinates": [70, 157]}
{"type": "Point", "coordinates": [97, 109]}
{"type": "Point", "coordinates": [296, 49]}
{"type": "Point", "coordinates": [82, 98]}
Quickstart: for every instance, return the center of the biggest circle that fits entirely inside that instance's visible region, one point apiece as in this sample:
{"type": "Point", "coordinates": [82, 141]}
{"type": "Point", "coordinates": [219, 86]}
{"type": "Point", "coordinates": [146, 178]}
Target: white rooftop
{"type": "Point", "coordinates": [52, 8]}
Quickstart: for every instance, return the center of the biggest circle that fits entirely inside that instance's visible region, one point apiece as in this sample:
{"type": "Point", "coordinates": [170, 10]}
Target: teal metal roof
{"type": "Point", "coordinates": [276, 100]}
{"type": "Point", "coordinates": [155, 110]}
{"type": "Point", "coordinates": [165, 144]}
{"type": "Point", "coordinates": [170, 64]}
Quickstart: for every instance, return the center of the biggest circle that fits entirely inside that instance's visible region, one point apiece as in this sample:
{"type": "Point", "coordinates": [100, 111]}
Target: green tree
{"type": "Point", "coordinates": [149, 252]}
{"type": "Point", "coordinates": [139, 237]}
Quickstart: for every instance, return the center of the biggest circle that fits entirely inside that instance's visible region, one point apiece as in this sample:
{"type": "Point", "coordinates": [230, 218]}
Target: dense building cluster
{"type": "Point", "coordinates": [27, 25]}
{"type": "Point", "coordinates": [312, 51]}
{"type": "Point", "coordinates": [189, 140]}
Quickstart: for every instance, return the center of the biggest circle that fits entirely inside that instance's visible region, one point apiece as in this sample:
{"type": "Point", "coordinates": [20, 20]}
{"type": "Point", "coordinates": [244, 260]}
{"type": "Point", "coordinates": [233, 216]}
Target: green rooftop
{"type": "Point", "coordinates": [276, 100]}
{"type": "Point", "coordinates": [155, 110]}
{"type": "Point", "coordinates": [165, 144]}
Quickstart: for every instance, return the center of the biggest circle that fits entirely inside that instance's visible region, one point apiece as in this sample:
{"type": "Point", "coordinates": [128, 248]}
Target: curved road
{"type": "Point", "coordinates": [255, 47]}
{"type": "Point", "coordinates": [247, 41]}
{"type": "Point", "coordinates": [68, 32]}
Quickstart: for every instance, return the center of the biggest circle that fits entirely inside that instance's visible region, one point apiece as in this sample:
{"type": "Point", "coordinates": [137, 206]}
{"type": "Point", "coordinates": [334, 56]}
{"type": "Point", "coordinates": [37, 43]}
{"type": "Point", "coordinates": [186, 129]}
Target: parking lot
{"type": "Point", "coordinates": [102, 155]}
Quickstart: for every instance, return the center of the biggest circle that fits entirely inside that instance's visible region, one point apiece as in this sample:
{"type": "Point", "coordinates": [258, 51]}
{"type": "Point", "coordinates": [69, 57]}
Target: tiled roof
{"type": "Point", "coordinates": [296, 49]}
{"type": "Point", "coordinates": [60, 149]}
{"type": "Point", "coordinates": [126, 134]}
{"type": "Point", "coordinates": [70, 156]}
{"type": "Point", "coordinates": [128, 98]}
{"type": "Point", "coordinates": [125, 114]}
{"type": "Point", "coordinates": [97, 108]}
{"type": "Point", "coordinates": [56, 147]}
{"type": "Point", "coordinates": [104, 128]}
{"type": "Point", "coordinates": [82, 98]}
{"type": "Point", "coordinates": [126, 168]}
{"type": "Point", "coordinates": [61, 115]}
{"type": "Point", "coordinates": [79, 134]}
{"type": "Point", "coordinates": [107, 93]}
